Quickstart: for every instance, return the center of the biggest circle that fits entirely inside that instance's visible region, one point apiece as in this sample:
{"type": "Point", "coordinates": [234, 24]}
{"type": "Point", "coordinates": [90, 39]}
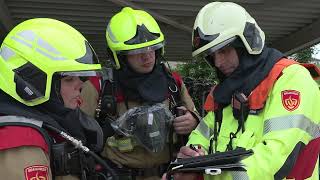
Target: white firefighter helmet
{"type": "Point", "coordinates": [220, 23]}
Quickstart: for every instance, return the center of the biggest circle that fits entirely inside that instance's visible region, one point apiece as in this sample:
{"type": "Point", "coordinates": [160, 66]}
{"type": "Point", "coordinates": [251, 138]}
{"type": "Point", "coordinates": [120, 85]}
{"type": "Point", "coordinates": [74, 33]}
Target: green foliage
{"type": "Point", "coordinates": [197, 70]}
{"type": "Point", "coordinates": [198, 78]}
{"type": "Point", "coordinates": [305, 55]}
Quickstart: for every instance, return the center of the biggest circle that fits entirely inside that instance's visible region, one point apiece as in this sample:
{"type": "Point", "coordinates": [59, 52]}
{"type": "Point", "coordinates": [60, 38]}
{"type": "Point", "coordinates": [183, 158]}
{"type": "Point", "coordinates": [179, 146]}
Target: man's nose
{"type": "Point", "coordinates": [146, 55]}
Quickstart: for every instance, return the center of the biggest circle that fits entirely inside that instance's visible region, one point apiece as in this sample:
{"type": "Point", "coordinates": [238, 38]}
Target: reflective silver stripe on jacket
{"type": "Point", "coordinates": [204, 129]}
{"type": "Point", "coordinates": [239, 175]}
{"type": "Point", "coordinates": [293, 121]}
{"type": "Point", "coordinates": [13, 119]}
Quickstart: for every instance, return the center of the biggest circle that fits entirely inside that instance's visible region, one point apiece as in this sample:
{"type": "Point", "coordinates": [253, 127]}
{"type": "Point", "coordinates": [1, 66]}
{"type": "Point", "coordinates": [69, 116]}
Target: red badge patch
{"type": "Point", "coordinates": [290, 99]}
{"type": "Point", "coordinates": [36, 172]}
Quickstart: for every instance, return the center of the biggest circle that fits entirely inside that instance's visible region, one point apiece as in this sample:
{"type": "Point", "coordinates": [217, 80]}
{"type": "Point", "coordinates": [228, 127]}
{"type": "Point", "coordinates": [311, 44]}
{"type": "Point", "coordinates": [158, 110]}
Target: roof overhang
{"type": "Point", "coordinates": [289, 25]}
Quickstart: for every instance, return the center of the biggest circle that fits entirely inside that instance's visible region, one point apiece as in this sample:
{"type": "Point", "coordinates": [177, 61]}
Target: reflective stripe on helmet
{"type": "Point", "coordinates": [50, 56]}
{"type": "Point", "coordinates": [27, 37]}
{"type": "Point", "coordinates": [6, 53]}
{"type": "Point", "coordinates": [22, 41]}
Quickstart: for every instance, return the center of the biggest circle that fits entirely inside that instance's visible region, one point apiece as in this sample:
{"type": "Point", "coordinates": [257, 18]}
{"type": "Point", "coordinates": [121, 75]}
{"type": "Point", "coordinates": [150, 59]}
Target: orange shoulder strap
{"type": "Point", "coordinates": [259, 95]}
{"type": "Point", "coordinates": [210, 104]}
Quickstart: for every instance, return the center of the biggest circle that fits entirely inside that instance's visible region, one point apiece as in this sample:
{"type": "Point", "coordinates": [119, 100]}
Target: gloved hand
{"type": "Point", "coordinates": [185, 123]}
{"type": "Point", "coordinates": [186, 152]}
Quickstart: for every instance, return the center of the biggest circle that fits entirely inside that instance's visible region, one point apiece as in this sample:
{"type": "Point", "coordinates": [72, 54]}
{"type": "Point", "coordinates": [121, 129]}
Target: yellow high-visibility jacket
{"type": "Point", "coordinates": [288, 121]}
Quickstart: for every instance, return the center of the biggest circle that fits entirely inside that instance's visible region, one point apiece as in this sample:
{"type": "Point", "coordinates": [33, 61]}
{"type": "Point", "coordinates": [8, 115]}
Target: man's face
{"type": "Point", "coordinates": [70, 91]}
{"type": "Point", "coordinates": [225, 59]}
{"type": "Point", "coordinates": [142, 62]}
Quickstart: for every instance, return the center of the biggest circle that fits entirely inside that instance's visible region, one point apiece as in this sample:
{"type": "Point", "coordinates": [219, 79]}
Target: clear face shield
{"type": "Point", "coordinates": [66, 86]}
{"type": "Point", "coordinates": [149, 126]}
{"type": "Point", "coordinates": [90, 57]}
{"type": "Point", "coordinates": [142, 50]}
{"type": "Point", "coordinates": [83, 75]}
{"type": "Point", "coordinates": [207, 54]}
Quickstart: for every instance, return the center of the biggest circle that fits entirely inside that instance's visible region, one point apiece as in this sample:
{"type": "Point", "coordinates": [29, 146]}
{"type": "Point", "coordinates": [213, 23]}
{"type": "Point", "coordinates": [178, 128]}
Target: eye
{"type": "Point", "coordinates": [83, 79]}
{"type": "Point", "coordinates": [223, 51]}
{"type": "Point", "coordinates": [68, 78]}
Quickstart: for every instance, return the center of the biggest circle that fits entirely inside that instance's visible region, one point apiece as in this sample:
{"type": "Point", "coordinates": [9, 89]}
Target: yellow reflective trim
{"type": "Point", "coordinates": [293, 121]}
{"type": "Point", "coordinates": [112, 142]}
{"type": "Point", "coordinates": [122, 144]}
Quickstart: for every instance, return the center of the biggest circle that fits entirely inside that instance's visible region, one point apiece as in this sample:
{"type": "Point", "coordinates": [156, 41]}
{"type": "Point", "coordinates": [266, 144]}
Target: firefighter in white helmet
{"type": "Point", "coordinates": [264, 101]}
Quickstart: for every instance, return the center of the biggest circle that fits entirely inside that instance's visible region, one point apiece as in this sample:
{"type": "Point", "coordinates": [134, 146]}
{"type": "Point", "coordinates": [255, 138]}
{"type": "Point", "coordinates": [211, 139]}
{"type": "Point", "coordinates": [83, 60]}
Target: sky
{"type": "Point", "coordinates": [317, 55]}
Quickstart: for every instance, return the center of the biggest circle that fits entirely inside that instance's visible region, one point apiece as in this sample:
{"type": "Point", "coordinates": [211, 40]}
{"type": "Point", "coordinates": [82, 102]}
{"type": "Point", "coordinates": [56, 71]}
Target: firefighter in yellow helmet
{"type": "Point", "coordinates": [264, 101]}
{"type": "Point", "coordinates": [43, 63]}
{"type": "Point", "coordinates": [148, 106]}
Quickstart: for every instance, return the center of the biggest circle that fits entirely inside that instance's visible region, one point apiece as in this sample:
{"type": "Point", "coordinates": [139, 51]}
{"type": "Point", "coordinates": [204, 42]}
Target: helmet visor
{"type": "Point", "coordinates": [90, 57]}
{"type": "Point", "coordinates": [83, 75]}
{"type": "Point", "coordinates": [206, 54]}
{"type": "Point", "coordinates": [142, 50]}
{"type": "Point", "coordinates": [143, 35]}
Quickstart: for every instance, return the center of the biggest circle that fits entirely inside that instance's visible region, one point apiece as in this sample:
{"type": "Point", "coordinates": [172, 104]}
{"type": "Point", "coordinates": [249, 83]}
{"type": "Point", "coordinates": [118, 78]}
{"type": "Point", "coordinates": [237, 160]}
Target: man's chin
{"type": "Point", "coordinates": [72, 106]}
{"type": "Point", "coordinates": [146, 70]}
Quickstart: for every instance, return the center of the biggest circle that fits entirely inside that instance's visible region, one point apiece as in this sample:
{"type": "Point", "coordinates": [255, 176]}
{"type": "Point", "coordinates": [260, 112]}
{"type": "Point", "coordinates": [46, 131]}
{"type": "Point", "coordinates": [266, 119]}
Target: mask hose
{"type": "Point", "coordinates": [78, 144]}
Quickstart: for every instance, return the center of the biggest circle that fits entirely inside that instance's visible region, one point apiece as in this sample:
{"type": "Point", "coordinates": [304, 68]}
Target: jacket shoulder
{"type": "Point", "coordinates": [177, 77]}
{"type": "Point", "coordinates": [18, 136]}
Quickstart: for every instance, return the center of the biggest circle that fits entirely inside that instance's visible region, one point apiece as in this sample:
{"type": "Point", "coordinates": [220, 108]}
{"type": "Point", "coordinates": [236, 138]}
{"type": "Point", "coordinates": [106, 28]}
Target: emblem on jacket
{"type": "Point", "coordinates": [290, 99]}
{"type": "Point", "coordinates": [36, 172]}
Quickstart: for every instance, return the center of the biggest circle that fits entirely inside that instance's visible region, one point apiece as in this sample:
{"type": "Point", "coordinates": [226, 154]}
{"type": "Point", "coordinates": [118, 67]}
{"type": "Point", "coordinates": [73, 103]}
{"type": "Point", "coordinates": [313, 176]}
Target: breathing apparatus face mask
{"type": "Point", "coordinates": [148, 125]}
